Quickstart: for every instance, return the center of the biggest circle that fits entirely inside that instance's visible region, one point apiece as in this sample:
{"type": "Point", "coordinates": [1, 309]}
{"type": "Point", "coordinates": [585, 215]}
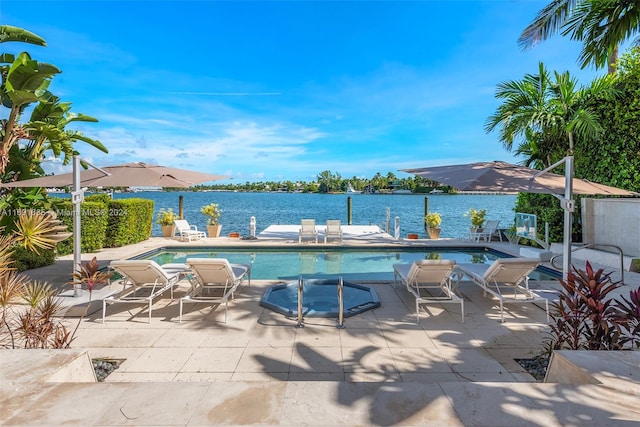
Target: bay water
{"type": "Point", "coordinates": [367, 209]}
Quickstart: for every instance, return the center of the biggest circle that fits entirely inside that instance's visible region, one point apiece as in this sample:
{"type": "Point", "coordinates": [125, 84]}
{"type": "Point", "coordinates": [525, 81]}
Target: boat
{"type": "Point", "coordinates": [436, 191]}
{"type": "Point", "coordinates": [350, 190]}
{"type": "Point", "coordinates": [401, 191]}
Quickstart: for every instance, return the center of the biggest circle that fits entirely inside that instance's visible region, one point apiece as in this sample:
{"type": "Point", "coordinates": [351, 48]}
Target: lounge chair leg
{"type": "Point", "coordinates": [104, 310]}
{"type": "Point", "coordinates": [149, 311]}
{"type": "Point", "coordinates": [462, 309]}
{"type": "Point", "coordinates": [180, 315]}
{"type": "Point", "coordinates": [417, 312]}
{"type": "Point", "coordinates": [501, 312]}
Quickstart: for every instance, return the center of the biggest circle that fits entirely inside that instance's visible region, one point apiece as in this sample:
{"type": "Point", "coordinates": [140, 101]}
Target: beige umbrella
{"type": "Point", "coordinates": [125, 175]}
{"type": "Point", "coordinates": [505, 177]}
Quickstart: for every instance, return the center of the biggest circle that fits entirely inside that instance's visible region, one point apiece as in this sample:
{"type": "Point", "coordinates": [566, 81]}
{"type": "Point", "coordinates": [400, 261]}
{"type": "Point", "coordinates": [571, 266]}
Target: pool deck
{"type": "Point", "coordinates": [260, 369]}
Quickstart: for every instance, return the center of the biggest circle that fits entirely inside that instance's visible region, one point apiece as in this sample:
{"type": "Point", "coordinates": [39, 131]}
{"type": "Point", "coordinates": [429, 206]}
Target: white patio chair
{"type": "Point", "coordinates": [186, 231]}
{"type": "Point", "coordinates": [308, 230]}
{"type": "Point", "coordinates": [333, 230]}
{"type": "Point", "coordinates": [214, 280]}
{"type": "Point", "coordinates": [504, 274]}
{"type": "Point", "coordinates": [143, 281]}
{"type": "Point", "coordinates": [429, 281]}
{"type": "Point", "coordinates": [488, 231]}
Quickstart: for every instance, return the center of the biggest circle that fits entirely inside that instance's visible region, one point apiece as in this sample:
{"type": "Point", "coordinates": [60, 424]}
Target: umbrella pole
{"type": "Point", "coordinates": [568, 206]}
{"type": "Point", "coordinates": [76, 198]}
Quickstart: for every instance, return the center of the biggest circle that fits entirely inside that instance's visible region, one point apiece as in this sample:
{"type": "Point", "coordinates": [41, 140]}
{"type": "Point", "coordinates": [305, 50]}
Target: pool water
{"type": "Point", "coordinates": [354, 264]}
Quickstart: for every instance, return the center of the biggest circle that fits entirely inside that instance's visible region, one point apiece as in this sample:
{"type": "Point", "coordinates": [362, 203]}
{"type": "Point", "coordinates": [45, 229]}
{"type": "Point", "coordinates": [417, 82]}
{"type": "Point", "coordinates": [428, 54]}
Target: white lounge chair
{"type": "Point", "coordinates": [214, 280]}
{"type": "Point", "coordinates": [429, 281]}
{"type": "Point", "coordinates": [308, 230]}
{"type": "Point", "coordinates": [333, 230]}
{"type": "Point", "coordinates": [489, 230]}
{"type": "Point", "coordinates": [186, 231]}
{"type": "Point", "coordinates": [143, 281]}
{"type": "Point", "coordinates": [504, 274]}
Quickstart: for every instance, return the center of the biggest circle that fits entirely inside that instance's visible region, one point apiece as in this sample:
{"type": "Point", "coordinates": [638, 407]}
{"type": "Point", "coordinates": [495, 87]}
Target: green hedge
{"type": "Point", "coordinates": [130, 221]}
{"type": "Point", "coordinates": [93, 223]}
{"type": "Point", "coordinates": [24, 259]}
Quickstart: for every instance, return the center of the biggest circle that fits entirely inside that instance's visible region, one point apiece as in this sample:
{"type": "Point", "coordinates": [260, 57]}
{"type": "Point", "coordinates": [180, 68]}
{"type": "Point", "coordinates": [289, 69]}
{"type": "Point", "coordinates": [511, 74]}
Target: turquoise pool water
{"type": "Point", "coordinates": [354, 264]}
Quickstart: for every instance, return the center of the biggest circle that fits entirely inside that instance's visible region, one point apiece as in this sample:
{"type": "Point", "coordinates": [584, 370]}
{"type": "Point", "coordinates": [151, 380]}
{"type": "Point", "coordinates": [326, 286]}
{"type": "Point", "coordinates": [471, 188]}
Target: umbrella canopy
{"type": "Point", "coordinates": [125, 175]}
{"type": "Point", "coordinates": [505, 177]}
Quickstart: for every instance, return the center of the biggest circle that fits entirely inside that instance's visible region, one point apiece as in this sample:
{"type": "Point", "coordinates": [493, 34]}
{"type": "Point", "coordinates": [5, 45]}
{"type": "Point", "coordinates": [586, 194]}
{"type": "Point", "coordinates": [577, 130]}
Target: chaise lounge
{"type": "Point", "coordinates": [214, 280]}
{"type": "Point", "coordinates": [143, 281]}
{"type": "Point", "coordinates": [429, 281]}
{"type": "Point", "coordinates": [505, 274]}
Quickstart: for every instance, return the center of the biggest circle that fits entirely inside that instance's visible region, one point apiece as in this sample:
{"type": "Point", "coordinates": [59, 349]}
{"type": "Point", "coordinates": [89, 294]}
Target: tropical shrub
{"type": "Point", "coordinates": [26, 259]}
{"type": "Point", "coordinates": [585, 317]}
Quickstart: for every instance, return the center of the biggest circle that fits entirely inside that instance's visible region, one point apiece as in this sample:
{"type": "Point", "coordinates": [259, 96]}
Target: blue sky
{"type": "Point", "coordinates": [283, 90]}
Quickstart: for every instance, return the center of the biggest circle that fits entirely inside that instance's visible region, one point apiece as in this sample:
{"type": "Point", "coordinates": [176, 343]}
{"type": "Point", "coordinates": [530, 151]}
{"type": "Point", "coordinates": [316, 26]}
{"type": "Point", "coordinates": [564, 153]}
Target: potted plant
{"type": "Point", "coordinates": [165, 218]}
{"type": "Point", "coordinates": [477, 219]}
{"type": "Point", "coordinates": [212, 211]}
{"type": "Point", "coordinates": [432, 221]}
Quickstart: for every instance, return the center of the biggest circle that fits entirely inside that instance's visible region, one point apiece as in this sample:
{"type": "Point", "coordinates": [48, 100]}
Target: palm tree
{"type": "Point", "coordinates": [9, 33]}
{"type": "Point", "coordinates": [538, 105]}
{"type": "Point", "coordinates": [601, 25]}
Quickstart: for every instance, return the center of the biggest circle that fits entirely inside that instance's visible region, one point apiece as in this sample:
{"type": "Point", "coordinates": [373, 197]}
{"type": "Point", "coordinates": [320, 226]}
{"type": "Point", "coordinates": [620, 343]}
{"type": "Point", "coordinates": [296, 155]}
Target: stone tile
{"type": "Point", "coordinates": [116, 337]}
{"type": "Point", "coordinates": [429, 377]}
{"type": "Point", "coordinates": [224, 337]}
{"type": "Point", "coordinates": [375, 360]}
{"type": "Point", "coordinates": [180, 337]}
{"type": "Point", "coordinates": [316, 376]}
{"type": "Point", "coordinates": [318, 337]}
{"type": "Point", "coordinates": [259, 376]}
{"type": "Point", "coordinates": [471, 360]}
{"type": "Point", "coordinates": [367, 403]}
{"type": "Point", "coordinates": [139, 377]}
{"type": "Point", "coordinates": [494, 377]}
{"type": "Point", "coordinates": [236, 403]}
{"type": "Point", "coordinates": [160, 404]}
{"type": "Point", "coordinates": [419, 360]}
{"type": "Point", "coordinates": [265, 359]}
{"type": "Point", "coordinates": [407, 335]}
{"type": "Point", "coordinates": [194, 377]}
{"type": "Point", "coordinates": [352, 337]}
{"type": "Point", "coordinates": [317, 359]}
{"type": "Point", "coordinates": [158, 360]}
{"type": "Point", "coordinates": [262, 336]}
{"type": "Point", "coordinates": [222, 359]}
{"type": "Point", "coordinates": [373, 377]}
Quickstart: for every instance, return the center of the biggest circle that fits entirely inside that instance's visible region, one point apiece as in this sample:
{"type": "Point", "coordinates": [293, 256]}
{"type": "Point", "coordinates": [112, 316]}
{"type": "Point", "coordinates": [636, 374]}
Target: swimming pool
{"type": "Point", "coordinates": [353, 264]}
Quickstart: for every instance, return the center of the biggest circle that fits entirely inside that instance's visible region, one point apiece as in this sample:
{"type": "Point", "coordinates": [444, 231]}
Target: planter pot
{"type": "Point", "coordinates": [412, 236]}
{"type": "Point", "coordinates": [214, 230]}
{"type": "Point", "coordinates": [434, 233]}
{"type": "Point", "coordinates": [168, 230]}
{"type": "Point", "coordinates": [234, 234]}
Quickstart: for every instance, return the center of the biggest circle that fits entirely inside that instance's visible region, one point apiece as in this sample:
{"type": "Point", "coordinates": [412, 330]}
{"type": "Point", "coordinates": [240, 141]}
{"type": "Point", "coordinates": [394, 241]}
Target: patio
{"type": "Point", "coordinates": [382, 369]}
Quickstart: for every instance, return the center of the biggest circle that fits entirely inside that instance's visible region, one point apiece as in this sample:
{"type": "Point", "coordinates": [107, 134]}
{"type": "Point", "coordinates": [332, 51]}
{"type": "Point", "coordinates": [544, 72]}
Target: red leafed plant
{"type": "Point", "coordinates": [586, 317]}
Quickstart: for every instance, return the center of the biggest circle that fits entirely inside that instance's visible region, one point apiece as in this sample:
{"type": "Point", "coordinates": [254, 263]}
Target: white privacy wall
{"type": "Point", "coordinates": [613, 222]}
